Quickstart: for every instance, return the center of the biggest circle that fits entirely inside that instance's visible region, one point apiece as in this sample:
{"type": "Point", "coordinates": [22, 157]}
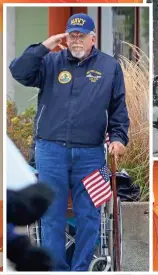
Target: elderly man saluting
{"type": "Point", "coordinates": [81, 97]}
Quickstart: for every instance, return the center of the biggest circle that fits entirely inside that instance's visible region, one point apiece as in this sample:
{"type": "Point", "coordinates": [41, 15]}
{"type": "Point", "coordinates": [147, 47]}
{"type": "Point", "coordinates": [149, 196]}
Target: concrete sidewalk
{"type": "Point", "coordinates": [135, 236]}
{"type": "Point", "coordinates": [155, 142]}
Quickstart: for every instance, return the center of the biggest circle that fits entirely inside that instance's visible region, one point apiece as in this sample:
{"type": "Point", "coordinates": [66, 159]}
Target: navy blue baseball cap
{"type": "Point", "coordinates": [80, 22]}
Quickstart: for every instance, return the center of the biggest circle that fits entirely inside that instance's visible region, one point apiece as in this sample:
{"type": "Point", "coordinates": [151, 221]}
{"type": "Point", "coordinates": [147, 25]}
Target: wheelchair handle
{"type": "Point", "coordinates": [114, 189]}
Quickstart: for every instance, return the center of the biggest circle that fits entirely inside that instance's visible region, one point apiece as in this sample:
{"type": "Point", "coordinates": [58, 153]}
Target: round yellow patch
{"type": "Point", "coordinates": [64, 77]}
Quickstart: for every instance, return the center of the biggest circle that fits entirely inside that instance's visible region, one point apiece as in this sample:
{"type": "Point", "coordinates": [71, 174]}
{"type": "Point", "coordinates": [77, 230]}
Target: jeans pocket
{"type": "Point", "coordinates": [40, 144]}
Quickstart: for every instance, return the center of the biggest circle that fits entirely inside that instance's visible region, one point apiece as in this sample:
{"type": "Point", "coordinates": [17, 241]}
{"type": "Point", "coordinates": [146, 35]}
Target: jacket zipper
{"type": "Point", "coordinates": [107, 120]}
{"type": "Point", "coordinates": [39, 119]}
{"type": "Point", "coordinates": [79, 63]}
{"type": "Point", "coordinates": [105, 144]}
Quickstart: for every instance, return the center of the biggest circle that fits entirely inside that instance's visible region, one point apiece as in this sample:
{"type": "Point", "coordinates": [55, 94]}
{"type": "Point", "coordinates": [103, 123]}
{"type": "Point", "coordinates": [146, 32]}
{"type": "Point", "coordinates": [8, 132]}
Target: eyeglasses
{"type": "Point", "coordinates": [80, 36]}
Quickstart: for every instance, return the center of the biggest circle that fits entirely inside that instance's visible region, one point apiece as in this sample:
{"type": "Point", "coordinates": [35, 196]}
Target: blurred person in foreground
{"type": "Point", "coordinates": [27, 201]}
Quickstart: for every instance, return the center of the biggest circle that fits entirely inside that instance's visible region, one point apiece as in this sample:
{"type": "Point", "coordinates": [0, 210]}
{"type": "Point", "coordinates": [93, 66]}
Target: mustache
{"type": "Point", "coordinates": [77, 45]}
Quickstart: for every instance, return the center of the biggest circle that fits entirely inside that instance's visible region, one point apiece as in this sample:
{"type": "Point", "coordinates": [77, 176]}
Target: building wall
{"type": "Point", "coordinates": [143, 31]}
{"type": "Point", "coordinates": [93, 13]}
{"type": "Point", "coordinates": [10, 50]}
{"type": "Point", "coordinates": [107, 30]}
{"type": "Point", "coordinates": [25, 26]}
{"type": "Point", "coordinates": [106, 27]}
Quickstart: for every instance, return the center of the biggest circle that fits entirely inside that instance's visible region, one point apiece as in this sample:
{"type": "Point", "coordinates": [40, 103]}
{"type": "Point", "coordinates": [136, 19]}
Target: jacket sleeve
{"type": "Point", "coordinates": [29, 69]}
{"type": "Point", "coordinates": [118, 122]}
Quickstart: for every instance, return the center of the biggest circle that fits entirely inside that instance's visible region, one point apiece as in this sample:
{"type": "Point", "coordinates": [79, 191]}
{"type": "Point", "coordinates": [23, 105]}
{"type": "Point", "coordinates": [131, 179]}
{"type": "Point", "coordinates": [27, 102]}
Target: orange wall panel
{"type": "Point", "coordinates": [58, 17]}
{"type": "Point", "coordinates": [155, 242]}
{"type": "Point", "coordinates": [155, 216]}
{"type": "Point", "coordinates": [1, 18]}
{"type": "Point", "coordinates": [155, 182]}
{"type": "Point", "coordinates": [1, 226]}
{"type": "Point", "coordinates": [78, 10]}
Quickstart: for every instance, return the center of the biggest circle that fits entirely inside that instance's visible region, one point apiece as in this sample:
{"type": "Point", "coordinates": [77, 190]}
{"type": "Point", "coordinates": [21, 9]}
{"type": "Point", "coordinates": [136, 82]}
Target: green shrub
{"type": "Point", "coordinates": [20, 127]}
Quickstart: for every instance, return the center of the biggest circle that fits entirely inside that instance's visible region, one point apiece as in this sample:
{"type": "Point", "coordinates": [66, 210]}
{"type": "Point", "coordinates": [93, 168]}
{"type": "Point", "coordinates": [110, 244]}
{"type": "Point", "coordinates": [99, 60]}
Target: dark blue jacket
{"type": "Point", "coordinates": [78, 101]}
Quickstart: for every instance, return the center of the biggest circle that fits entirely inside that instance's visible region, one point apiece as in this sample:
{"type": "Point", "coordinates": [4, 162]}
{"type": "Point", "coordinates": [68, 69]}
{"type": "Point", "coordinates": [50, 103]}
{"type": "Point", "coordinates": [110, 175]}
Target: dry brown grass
{"type": "Point", "coordinates": [136, 159]}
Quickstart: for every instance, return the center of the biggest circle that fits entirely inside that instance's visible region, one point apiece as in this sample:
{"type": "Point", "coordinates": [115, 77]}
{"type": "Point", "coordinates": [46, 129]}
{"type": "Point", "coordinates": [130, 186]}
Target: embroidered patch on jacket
{"type": "Point", "coordinates": [93, 75]}
{"type": "Point", "coordinates": [64, 77]}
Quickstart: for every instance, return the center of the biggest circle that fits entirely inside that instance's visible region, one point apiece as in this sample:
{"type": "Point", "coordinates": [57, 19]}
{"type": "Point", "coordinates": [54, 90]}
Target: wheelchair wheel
{"type": "Point", "coordinates": [100, 264]}
{"type": "Point", "coordinates": [120, 236]}
{"type": "Point", "coordinates": [34, 233]}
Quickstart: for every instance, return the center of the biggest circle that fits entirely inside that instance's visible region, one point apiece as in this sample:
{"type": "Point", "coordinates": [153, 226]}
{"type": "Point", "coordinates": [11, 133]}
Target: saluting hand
{"type": "Point", "coordinates": [54, 40]}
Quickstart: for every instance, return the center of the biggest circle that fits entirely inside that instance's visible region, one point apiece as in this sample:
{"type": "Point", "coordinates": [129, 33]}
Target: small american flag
{"type": "Point", "coordinates": [98, 186]}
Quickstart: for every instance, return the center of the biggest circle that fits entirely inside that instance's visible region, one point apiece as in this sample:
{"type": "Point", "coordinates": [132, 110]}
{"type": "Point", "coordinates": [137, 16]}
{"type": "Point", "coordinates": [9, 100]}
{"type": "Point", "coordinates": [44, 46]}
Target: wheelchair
{"type": "Point", "coordinates": [104, 258]}
{"type": "Point", "coordinates": [105, 255]}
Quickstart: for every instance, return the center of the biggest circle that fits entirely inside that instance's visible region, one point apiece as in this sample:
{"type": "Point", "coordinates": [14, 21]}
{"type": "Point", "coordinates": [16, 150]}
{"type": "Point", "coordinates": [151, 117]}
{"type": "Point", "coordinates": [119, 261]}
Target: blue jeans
{"type": "Point", "coordinates": [64, 168]}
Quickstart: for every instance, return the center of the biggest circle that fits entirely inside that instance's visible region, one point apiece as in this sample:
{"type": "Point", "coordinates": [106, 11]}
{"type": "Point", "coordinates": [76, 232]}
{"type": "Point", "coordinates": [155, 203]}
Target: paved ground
{"type": "Point", "coordinates": [135, 237]}
{"type": "Point", "coordinates": [155, 142]}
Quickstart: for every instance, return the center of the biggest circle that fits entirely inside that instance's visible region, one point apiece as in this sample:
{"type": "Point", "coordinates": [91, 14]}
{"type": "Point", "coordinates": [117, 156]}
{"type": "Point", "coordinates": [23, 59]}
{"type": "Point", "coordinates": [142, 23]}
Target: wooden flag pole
{"type": "Point", "coordinates": [116, 222]}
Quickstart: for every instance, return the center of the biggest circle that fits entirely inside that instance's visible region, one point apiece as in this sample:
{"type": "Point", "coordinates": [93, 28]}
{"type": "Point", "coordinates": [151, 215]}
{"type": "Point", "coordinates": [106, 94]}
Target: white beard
{"type": "Point", "coordinates": [78, 54]}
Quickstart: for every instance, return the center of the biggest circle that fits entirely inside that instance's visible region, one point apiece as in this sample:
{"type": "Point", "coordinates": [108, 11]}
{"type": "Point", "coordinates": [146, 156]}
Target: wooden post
{"type": "Point", "coordinates": [155, 216]}
{"type": "Point", "coordinates": [57, 19]}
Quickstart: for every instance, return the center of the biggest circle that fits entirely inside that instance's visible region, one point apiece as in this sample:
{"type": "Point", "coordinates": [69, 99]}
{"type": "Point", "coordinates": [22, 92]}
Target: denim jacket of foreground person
{"type": "Point", "coordinates": [78, 102]}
